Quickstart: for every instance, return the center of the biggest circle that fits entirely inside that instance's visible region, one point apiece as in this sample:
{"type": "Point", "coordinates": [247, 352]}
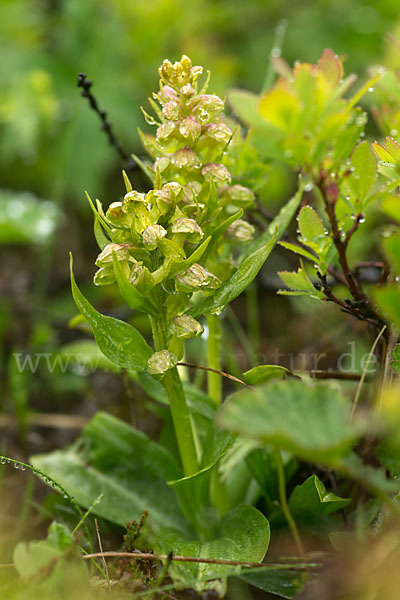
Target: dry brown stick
{"type": "Point", "coordinates": [193, 559]}
{"type": "Point", "coordinates": [319, 374]}
{"type": "Point", "coordinates": [231, 377]}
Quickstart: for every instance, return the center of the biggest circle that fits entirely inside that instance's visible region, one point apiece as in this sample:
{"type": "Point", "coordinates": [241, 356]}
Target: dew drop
{"type": "Point", "coordinates": [361, 220]}
{"type": "Point", "coordinates": [3, 461]}
{"type": "Point", "coordinates": [23, 468]}
{"type": "Point", "coordinates": [393, 132]}
{"type": "Point", "coordinates": [65, 496]}
{"type": "Point", "coordinates": [16, 466]}
{"type": "Point", "coordinates": [308, 187]}
{"type": "Point", "coordinates": [371, 89]}
{"type": "Point", "coordinates": [362, 134]}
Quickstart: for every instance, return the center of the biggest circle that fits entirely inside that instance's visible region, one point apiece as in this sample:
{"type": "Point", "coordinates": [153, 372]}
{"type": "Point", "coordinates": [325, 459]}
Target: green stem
{"type": "Point", "coordinates": [253, 318]}
{"type": "Point", "coordinates": [218, 492]}
{"type": "Point", "coordinates": [284, 502]}
{"type": "Point", "coordinates": [214, 381]}
{"type": "Point", "coordinates": [179, 409]}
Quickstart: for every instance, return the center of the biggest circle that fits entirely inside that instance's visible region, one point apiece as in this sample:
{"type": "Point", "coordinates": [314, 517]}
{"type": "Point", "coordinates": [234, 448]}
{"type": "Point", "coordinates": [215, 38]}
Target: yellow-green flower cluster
{"type": "Point", "coordinates": [180, 232]}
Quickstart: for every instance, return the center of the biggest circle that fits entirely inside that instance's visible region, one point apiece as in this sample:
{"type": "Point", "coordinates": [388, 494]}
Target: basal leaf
{"type": "Point", "coordinates": [309, 420]}
{"type": "Point", "coordinates": [243, 535]}
{"type": "Point", "coordinates": [311, 499]}
{"type": "Point", "coordinates": [123, 464]}
{"type": "Point", "coordinates": [119, 341]}
{"type": "Point", "coordinates": [283, 583]}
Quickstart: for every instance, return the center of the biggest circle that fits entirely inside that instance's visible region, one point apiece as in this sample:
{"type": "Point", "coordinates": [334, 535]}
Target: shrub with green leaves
{"type": "Point", "coordinates": [283, 452]}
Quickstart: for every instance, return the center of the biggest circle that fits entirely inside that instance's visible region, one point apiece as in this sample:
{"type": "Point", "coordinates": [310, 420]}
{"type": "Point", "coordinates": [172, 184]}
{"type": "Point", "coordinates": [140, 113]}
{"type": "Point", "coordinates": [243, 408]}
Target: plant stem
{"type": "Point", "coordinates": [218, 493]}
{"type": "Point", "coordinates": [214, 382]}
{"type": "Point", "coordinates": [253, 318]}
{"type": "Point", "coordinates": [179, 409]}
{"type": "Point", "coordinates": [284, 502]}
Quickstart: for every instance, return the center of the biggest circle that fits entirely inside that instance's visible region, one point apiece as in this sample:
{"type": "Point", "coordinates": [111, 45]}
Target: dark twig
{"type": "Point", "coordinates": [86, 85]}
{"type": "Point", "coordinates": [317, 374]}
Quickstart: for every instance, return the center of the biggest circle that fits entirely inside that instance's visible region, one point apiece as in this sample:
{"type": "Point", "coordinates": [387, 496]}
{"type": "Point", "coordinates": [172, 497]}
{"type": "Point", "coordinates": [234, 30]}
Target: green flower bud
{"type": "Point", "coordinates": [160, 362]}
{"type": "Point", "coordinates": [151, 235]}
{"type": "Point", "coordinates": [166, 94]}
{"type": "Point", "coordinates": [240, 231]}
{"type": "Point", "coordinates": [196, 277]}
{"type": "Point", "coordinates": [218, 132]}
{"type": "Point", "coordinates": [216, 172]}
{"type": "Point", "coordinates": [116, 215]}
{"type": "Point", "coordinates": [171, 110]}
{"type": "Point", "coordinates": [190, 129]}
{"type": "Point", "coordinates": [185, 158]}
{"type": "Point", "coordinates": [131, 200]}
{"type": "Point", "coordinates": [187, 91]}
{"type": "Point", "coordinates": [186, 63]}
{"type": "Point", "coordinates": [238, 195]}
{"type": "Point", "coordinates": [141, 278]}
{"type": "Point", "coordinates": [165, 131]}
{"type": "Point", "coordinates": [104, 276]}
{"type": "Point", "coordinates": [188, 226]}
{"type": "Point", "coordinates": [206, 107]}
{"type": "Point", "coordinates": [106, 255]}
{"type": "Point", "coordinates": [186, 327]}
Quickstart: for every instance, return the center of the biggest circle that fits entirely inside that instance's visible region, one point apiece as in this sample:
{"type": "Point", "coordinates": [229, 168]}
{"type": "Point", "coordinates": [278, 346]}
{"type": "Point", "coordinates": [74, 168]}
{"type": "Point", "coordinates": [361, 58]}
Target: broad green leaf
{"type": "Point", "coordinates": [123, 464]}
{"type": "Point", "coordinates": [263, 373]}
{"type": "Point", "coordinates": [363, 177]}
{"type": "Point", "coordinates": [257, 253]}
{"type": "Point", "coordinates": [243, 535]}
{"type": "Point", "coordinates": [132, 297]}
{"type": "Point", "coordinates": [309, 420]}
{"type": "Point", "coordinates": [283, 583]}
{"type": "Point", "coordinates": [119, 341]}
{"type": "Point", "coordinates": [388, 300]}
{"type": "Point", "coordinates": [311, 499]}
{"type": "Point", "coordinates": [310, 224]}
